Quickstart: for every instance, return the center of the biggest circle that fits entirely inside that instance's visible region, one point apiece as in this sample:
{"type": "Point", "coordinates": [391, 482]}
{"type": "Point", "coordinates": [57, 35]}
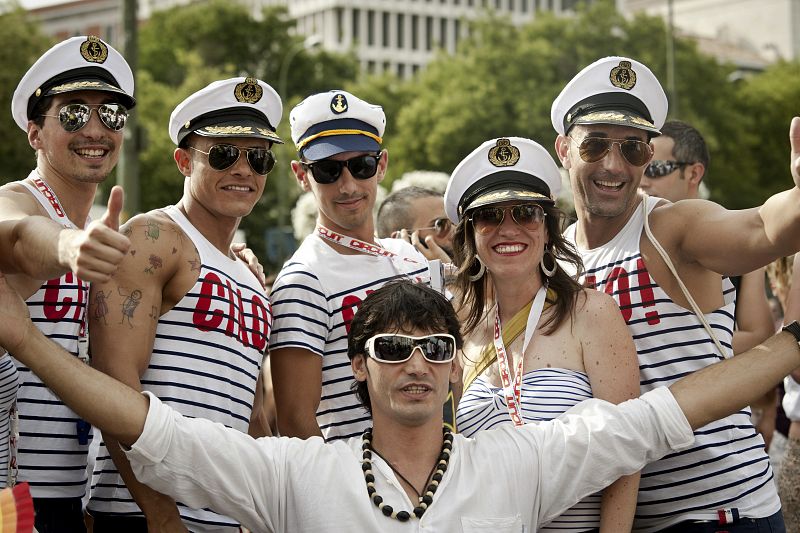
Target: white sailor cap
{"type": "Point", "coordinates": [612, 90]}
{"type": "Point", "coordinates": [236, 107]}
{"type": "Point", "coordinates": [326, 124]}
{"type": "Point", "coordinates": [84, 63]}
{"type": "Point", "coordinates": [508, 168]}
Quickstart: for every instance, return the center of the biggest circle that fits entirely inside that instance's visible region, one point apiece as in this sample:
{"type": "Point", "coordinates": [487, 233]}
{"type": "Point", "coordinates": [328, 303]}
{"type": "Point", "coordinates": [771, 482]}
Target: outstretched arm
{"type": "Point", "coordinates": [102, 401]}
{"type": "Point", "coordinates": [40, 248]}
{"type": "Point", "coordinates": [706, 395]}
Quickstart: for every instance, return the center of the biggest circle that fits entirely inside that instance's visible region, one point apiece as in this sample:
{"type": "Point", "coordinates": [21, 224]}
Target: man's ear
{"type": "Point", "coordinates": [359, 365]}
{"type": "Point", "coordinates": [562, 151]}
{"type": "Point", "coordinates": [34, 135]}
{"type": "Point", "coordinates": [456, 370]}
{"type": "Point", "coordinates": [183, 160]}
{"type": "Point", "coordinates": [301, 175]}
{"type": "Point", "coordinates": [695, 172]}
{"type": "Point", "coordinates": [383, 164]}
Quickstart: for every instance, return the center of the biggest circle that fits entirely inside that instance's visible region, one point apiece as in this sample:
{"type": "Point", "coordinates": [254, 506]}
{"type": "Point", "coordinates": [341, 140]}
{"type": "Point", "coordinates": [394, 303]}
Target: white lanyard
{"type": "Point", "coordinates": [375, 250]}
{"type": "Point", "coordinates": [513, 392]}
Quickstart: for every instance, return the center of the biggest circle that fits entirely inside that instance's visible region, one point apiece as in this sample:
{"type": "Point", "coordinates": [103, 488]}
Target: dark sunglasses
{"type": "Point", "coordinates": [327, 171]}
{"type": "Point", "coordinates": [397, 348]}
{"type": "Point", "coordinates": [222, 156]}
{"type": "Point", "coordinates": [441, 226]}
{"type": "Point", "coordinates": [659, 168]}
{"type": "Point", "coordinates": [635, 152]}
{"type": "Point", "coordinates": [485, 220]}
{"type": "Point", "coordinates": [75, 116]}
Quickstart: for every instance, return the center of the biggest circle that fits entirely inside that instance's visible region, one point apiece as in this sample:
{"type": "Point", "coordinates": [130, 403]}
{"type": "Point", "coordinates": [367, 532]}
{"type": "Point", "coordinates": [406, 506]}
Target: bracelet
{"type": "Point", "coordinates": [794, 329]}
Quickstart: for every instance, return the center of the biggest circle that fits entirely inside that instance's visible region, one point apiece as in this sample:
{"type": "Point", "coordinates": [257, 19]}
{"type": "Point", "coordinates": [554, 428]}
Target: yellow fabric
{"type": "Point", "coordinates": [328, 133]}
{"type": "Point", "coordinates": [511, 331]}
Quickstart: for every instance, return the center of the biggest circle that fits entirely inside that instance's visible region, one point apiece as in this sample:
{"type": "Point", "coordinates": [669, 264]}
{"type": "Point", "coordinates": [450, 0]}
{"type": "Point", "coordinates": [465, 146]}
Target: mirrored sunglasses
{"type": "Point", "coordinates": [327, 171]}
{"type": "Point", "coordinates": [441, 226]}
{"type": "Point", "coordinates": [635, 152]}
{"type": "Point", "coordinates": [397, 348]}
{"type": "Point", "coordinates": [222, 156]}
{"type": "Point", "coordinates": [487, 219]}
{"type": "Point", "coordinates": [75, 116]}
{"type": "Point", "coordinates": [659, 168]}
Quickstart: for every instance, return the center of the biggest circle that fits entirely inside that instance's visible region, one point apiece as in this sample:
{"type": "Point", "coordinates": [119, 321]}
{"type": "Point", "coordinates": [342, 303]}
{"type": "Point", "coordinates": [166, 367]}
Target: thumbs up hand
{"type": "Point", "coordinates": [95, 253]}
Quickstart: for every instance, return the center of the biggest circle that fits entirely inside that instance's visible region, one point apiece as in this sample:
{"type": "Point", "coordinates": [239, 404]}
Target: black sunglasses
{"type": "Point", "coordinates": [487, 219]}
{"type": "Point", "coordinates": [327, 171]}
{"type": "Point", "coordinates": [659, 168]}
{"type": "Point", "coordinates": [222, 156]}
{"type": "Point", "coordinates": [635, 152]}
{"type": "Point", "coordinates": [397, 348]}
{"type": "Point", "coordinates": [75, 116]}
{"type": "Point", "coordinates": [441, 226]}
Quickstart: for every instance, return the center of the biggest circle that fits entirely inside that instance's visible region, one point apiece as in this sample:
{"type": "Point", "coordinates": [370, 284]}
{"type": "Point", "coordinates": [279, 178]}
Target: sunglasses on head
{"type": "Point", "coordinates": [441, 226]}
{"type": "Point", "coordinates": [327, 171]}
{"type": "Point", "coordinates": [222, 156]}
{"type": "Point", "coordinates": [75, 116]}
{"type": "Point", "coordinates": [635, 152]}
{"type": "Point", "coordinates": [397, 348]}
{"type": "Point", "coordinates": [487, 219]}
{"type": "Point", "coordinates": [659, 168]}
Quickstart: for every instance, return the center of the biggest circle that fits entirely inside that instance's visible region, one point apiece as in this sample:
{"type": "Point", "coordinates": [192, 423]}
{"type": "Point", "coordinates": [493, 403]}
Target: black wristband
{"type": "Point", "coordinates": [794, 329]}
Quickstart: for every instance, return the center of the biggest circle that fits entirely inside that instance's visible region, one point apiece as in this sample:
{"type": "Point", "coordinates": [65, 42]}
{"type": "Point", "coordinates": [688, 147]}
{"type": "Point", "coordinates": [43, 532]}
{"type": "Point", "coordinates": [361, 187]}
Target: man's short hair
{"type": "Point", "coordinates": [399, 305]}
{"type": "Point", "coordinates": [395, 211]}
{"type": "Point", "coordinates": [690, 146]}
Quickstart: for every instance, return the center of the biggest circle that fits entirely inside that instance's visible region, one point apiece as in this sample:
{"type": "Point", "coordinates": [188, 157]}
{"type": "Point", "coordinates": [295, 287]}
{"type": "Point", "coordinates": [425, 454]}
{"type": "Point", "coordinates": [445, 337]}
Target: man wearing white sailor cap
{"type": "Point", "coordinates": [667, 265]}
{"type": "Point", "coordinates": [184, 317]}
{"type": "Point", "coordinates": [72, 104]}
{"type": "Point", "coordinates": [340, 161]}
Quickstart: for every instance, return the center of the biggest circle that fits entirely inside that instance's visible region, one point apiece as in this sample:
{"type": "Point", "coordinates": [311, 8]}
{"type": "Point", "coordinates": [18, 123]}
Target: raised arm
{"type": "Point", "coordinates": [36, 246]}
{"type": "Point", "coordinates": [610, 360]}
{"type": "Point", "coordinates": [123, 315]}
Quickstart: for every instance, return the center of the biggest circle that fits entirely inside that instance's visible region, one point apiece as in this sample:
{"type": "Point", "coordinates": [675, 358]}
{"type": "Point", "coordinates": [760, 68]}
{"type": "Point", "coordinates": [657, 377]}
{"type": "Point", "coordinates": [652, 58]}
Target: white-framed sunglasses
{"type": "Point", "coordinates": [398, 348]}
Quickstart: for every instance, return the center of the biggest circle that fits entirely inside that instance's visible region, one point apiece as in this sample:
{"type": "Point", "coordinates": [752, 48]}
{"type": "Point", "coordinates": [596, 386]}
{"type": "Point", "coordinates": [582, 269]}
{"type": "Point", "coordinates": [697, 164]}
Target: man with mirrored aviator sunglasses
{"type": "Point", "coordinates": [184, 317]}
{"type": "Point", "coordinates": [605, 118]}
{"type": "Point", "coordinates": [340, 161]}
{"type": "Point", "coordinates": [679, 164]}
{"type": "Point", "coordinates": [72, 103]}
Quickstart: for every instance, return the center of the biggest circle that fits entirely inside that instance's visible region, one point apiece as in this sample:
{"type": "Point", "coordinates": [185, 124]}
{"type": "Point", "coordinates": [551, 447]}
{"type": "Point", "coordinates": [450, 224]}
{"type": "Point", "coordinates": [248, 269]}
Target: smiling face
{"type": "Point", "coordinates": [410, 393]}
{"type": "Point", "coordinates": [608, 187]}
{"type": "Point", "coordinates": [227, 193]}
{"type": "Point", "coordinates": [345, 205]}
{"type": "Point", "coordinates": [87, 155]}
{"type": "Point", "coordinates": [512, 252]}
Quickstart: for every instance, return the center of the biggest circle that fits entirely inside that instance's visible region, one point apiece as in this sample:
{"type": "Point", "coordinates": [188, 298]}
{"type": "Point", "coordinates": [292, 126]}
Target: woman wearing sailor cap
{"type": "Point", "coordinates": [537, 342]}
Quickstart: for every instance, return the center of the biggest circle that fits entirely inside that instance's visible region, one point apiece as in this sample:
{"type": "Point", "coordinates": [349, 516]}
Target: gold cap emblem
{"type": "Point", "coordinates": [94, 50]}
{"type": "Point", "coordinates": [623, 76]}
{"type": "Point", "coordinates": [249, 91]}
{"type": "Point", "coordinates": [504, 154]}
{"type": "Point", "coordinates": [339, 104]}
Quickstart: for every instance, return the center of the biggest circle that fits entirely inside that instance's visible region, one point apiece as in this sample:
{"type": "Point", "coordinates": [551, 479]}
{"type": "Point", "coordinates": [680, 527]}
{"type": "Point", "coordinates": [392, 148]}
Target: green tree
{"type": "Point", "coordinates": [21, 44]}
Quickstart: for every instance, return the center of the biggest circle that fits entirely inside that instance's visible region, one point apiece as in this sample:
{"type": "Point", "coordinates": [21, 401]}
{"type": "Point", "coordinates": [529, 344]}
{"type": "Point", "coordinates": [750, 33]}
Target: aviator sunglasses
{"type": "Point", "coordinates": [659, 168]}
{"type": "Point", "coordinates": [485, 220]}
{"type": "Point", "coordinates": [441, 226]}
{"type": "Point", "coordinates": [75, 116]}
{"type": "Point", "coordinates": [635, 152]}
{"type": "Point", "coordinates": [397, 348]}
{"type": "Point", "coordinates": [222, 156]}
{"type": "Point", "coordinates": [327, 171]}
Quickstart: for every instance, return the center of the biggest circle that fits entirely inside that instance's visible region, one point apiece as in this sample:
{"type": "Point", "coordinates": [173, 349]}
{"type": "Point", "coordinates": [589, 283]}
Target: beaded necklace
{"type": "Point", "coordinates": [426, 498]}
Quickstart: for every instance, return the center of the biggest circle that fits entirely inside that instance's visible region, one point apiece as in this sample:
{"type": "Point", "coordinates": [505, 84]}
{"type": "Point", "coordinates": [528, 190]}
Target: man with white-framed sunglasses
{"type": "Point", "coordinates": [668, 266]}
{"type": "Point", "coordinates": [72, 104]}
{"type": "Point", "coordinates": [339, 139]}
{"type": "Point", "coordinates": [184, 316]}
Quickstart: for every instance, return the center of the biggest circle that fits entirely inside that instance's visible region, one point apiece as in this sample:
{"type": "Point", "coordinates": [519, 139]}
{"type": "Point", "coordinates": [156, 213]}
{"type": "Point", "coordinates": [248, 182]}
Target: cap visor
{"type": "Point", "coordinates": [617, 118]}
{"type": "Point", "coordinates": [92, 85]}
{"type": "Point", "coordinates": [239, 128]}
{"type": "Point", "coordinates": [496, 197]}
{"type": "Point", "coordinates": [325, 147]}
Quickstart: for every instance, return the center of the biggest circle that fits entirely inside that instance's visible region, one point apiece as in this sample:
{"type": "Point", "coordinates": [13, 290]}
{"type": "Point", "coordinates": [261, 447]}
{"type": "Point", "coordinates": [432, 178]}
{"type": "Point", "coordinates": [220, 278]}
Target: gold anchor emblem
{"type": "Point", "coordinates": [623, 76]}
{"type": "Point", "coordinates": [94, 50]}
{"type": "Point", "coordinates": [339, 104]}
{"type": "Point", "coordinates": [504, 154]}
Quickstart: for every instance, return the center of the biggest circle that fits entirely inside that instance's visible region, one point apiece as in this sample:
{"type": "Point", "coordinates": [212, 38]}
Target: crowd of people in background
{"type": "Point", "coordinates": [461, 355]}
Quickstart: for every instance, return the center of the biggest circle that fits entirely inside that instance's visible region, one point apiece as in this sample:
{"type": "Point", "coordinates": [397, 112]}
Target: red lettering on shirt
{"type": "Point", "coordinates": [204, 317]}
{"type": "Point", "coordinates": [350, 305]}
{"type": "Point", "coordinates": [646, 292]}
{"type": "Point", "coordinates": [57, 305]}
{"type": "Point", "coordinates": [259, 333]}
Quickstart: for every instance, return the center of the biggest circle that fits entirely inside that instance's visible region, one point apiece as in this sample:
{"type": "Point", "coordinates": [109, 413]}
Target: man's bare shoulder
{"type": "Point", "coordinates": [158, 244]}
{"type": "Point", "coordinates": [16, 201]}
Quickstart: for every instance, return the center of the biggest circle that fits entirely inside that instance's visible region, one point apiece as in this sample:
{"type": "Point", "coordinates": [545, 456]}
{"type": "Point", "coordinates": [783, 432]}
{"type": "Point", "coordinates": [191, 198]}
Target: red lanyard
{"type": "Point", "coordinates": [513, 392]}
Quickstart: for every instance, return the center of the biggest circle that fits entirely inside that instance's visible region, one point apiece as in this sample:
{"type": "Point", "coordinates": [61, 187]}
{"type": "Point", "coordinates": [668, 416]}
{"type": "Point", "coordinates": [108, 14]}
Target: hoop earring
{"type": "Point", "coordinates": [481, 271]}
{"type": "Point", "coordinates": [551, 271]}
